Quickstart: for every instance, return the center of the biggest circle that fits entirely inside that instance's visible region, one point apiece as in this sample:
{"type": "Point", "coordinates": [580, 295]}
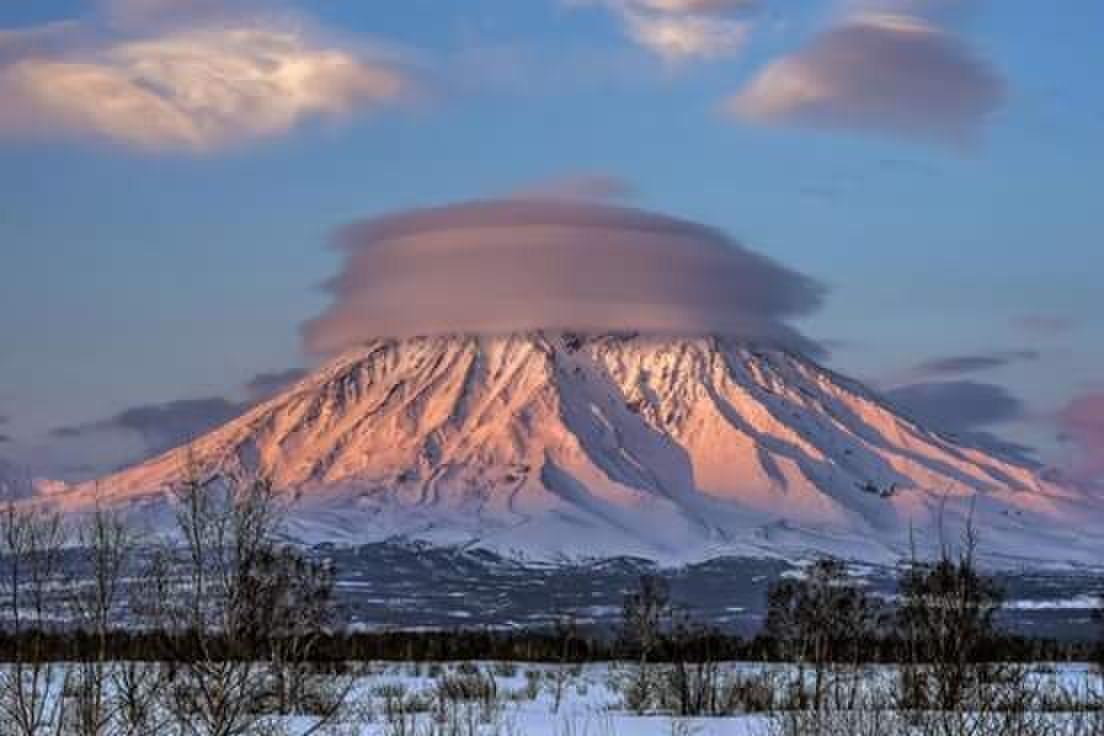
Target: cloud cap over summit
{"type": "Point", "coordinates": [503, 266]}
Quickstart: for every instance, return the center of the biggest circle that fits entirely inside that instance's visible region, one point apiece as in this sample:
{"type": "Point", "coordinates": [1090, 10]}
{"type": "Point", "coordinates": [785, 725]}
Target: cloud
{"type": "Point", "coordinates": [885, 73]}
{"type": "Point", "coordinates": [680, 30]}
{"type": "Point", "coordinates": [200, 86]}
{"type": "Point", "coordinates": [705, 7]}
{"type": "Point", "coordinates": [161, 427]}
{"type": "Point", "coordinates": [578, 187]}
{"type": "Point", "coordinates": [676, 37]}
{"type": "Point", "coordinates": [956, 406]}
{"type": "Point", "coordinates": [143, 431]}
{"type": "Point", "coordinates": [1081, 423]}
{"type": "Point", "coordinates": [265, 385]}
{"type": "Point", "coordinates": [5, 438]}
{"type": "Point", "coordinates": [931, 10]}
{"type": "Point", "coordinates": [516, 265]}
{"type": "Point", "coordinates": [959, 364]}
{"type": "Point", "coordinates": [1043, 324]}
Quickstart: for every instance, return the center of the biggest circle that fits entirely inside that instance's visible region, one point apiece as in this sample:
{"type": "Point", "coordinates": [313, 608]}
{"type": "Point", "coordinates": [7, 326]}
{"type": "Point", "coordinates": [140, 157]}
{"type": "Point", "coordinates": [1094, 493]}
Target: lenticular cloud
{"type": "Point", "coordinates": [510, 266]}
{"type": "Point", "coordinates": [894, 74]}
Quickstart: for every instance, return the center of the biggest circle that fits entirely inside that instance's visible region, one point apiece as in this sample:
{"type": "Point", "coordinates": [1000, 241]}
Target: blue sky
{"type": "Point", "coordinates": [140, 270]}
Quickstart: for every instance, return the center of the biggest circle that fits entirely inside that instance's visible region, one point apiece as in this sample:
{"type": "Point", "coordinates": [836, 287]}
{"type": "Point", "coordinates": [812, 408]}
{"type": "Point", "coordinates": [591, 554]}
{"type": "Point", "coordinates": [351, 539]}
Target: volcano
{"type": "Point", "coordinates": [557, 446]}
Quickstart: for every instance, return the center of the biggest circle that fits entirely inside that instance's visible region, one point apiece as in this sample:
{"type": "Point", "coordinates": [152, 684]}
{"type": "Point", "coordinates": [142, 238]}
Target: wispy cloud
{"type": "Point", "coordinates": [266, 385]}
{"type": "Point", "coordinates": [680, 30]}
{"type": "Point", "coordinates": [898, 74]}
{"type": "Point", "coordinates": [517, 265]}
{"type": "Point", "coordinates": [161, 426]}
{"type": "Point", "coordinates": [957, 406]}
{"type": "Point", "coordinates": [962, 364]}
{"type": "Point", "coordinates": [164, 79]}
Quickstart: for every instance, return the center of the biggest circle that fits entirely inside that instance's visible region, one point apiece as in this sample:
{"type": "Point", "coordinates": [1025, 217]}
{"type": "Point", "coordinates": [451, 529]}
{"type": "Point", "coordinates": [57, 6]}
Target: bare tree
{"type": "Point", "coordinates": [32, 542]}
{"type": "Point", "coordinates": [105, 547]}
{"type": "Point", "coordinates": [566, 632]}
{"type": "Point", "coordinates": [197, 602]}
{"type": "Point", "coordinates": [694, 678]}
{"type": "Point", "coordinates": [645, 613]}
{"type": "Point", "coordinates": [292, 607]}
{"type": "Point", "coordinates": [1098, 615]}
{"type": "Point", "coordinates": [820, 621]}
{"type": "Point", "coordinates": [946, 616]}
{"type": "Point", "coordinates": [241, 612]}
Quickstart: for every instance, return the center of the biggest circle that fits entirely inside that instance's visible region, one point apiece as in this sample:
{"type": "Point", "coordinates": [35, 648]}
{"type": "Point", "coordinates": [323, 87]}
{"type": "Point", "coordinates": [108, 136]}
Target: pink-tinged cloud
{"type": "Point", "coordinates": [1082, 424]}
{"type": "Point", "coordinates": [514, 265]}
{"type": "Point", "coordinates": [195, 87]}
{"type": "Point", "coordinates": [683, 30]}
{"type": "Point", "coordinates": [679, 37]}
{"type": "Point", "coordinates": [890, 74]}
{"type": "Point", "coordinates": [704, 7]}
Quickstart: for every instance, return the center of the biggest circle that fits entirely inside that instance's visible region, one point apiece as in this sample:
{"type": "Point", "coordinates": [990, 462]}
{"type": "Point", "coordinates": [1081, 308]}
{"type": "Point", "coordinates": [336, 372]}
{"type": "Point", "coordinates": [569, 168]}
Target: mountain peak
{"type": "Point", "coordinates": [562, 444]}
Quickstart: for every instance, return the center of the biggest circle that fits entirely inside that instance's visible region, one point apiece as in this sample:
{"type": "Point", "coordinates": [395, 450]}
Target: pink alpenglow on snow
{"type": "Point", "coordinates": [672, 449]}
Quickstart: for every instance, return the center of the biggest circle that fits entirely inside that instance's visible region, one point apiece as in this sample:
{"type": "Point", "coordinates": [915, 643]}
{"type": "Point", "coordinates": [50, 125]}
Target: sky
{"type": "Point", "coordinates": [918, 180]}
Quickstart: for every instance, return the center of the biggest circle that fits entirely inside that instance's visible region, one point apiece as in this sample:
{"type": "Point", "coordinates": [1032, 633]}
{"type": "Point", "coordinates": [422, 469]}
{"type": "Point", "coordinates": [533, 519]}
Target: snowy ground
{"type": "Point", "coordinates": [399, 700]}
{"type": "Point", "coordinates": [514, 699]}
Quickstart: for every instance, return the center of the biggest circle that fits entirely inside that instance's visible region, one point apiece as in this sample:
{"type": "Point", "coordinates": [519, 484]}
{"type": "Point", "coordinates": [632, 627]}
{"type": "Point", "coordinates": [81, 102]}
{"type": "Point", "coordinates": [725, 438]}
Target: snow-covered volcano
{"type": "Point", "coordinates": [674, 449]}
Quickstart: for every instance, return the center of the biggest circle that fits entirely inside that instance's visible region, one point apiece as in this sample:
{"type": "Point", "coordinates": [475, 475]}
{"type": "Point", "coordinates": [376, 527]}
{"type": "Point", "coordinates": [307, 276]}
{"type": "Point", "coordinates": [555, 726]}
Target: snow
{"type": "Point", "coordinates": [674, 450]}
{"type": "Point", "coordinates": [593, 706]}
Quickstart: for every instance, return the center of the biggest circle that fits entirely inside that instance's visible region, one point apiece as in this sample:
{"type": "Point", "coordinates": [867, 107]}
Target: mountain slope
{"type": "Point", "coordinates": [673, 449]}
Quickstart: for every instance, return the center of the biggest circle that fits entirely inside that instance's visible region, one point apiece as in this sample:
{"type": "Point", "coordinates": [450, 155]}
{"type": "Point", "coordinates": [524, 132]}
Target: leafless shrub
{"type": "Point", "coordinates": [1098, 616]}
{"type": "Point", "coordinates": [467, 688]}
{"type": "Point", "coordinates": [240, 613]}
{"type": "Point", "coordinates": [106, 697]}
{"type": "Point", "coordinates": [835, 723]}
{"type": "Point", "coordinates": [532, 683]}
{"type": "Point", "coordinates": [945, 617]}
{"type": "Point", "coordinates": [32, 541]}
{"type": "Point", "coordinates": [566, 632]}
{"type": "Point", "coordinates": [136, 687]}
{"type": "Point", "coordinates": [821, 622]}
{"type": "Point", "coordinates": [505, 669]}
{"type": "Point", "coordinates": [645, 612]}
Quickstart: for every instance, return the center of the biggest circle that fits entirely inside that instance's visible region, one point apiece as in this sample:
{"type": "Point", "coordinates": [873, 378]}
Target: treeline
{"type": "Point", "coordinates": [463, 645]}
